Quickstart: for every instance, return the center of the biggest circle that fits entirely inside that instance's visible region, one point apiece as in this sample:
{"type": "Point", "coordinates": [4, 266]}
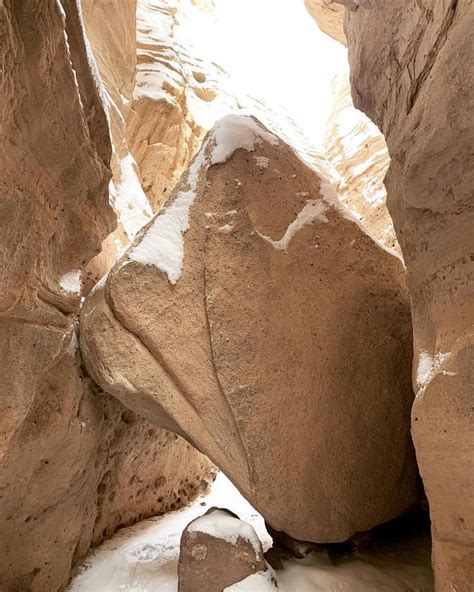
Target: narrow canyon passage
{"type": "Point", "coordinates": [236, 335]}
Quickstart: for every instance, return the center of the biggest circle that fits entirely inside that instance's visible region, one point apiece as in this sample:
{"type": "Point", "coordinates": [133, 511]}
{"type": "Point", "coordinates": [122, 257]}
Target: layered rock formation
{"type": "Point", "coordinates": [412, 72]}
{"type": "Point", "coordinates": [69, 467]}
{"type": "Point", "coordinates": [222, 322]}
{"type": "Point", "coordinates": [218, 550]}
{"type": "Point", "coordinates": [356, 150]}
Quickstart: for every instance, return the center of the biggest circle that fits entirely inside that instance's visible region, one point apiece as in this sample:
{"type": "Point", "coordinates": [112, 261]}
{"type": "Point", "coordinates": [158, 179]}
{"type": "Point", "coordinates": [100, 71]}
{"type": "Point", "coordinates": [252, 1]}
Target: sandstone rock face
{"type": "Point", "coordinates": [412, 73]}
{"type": "Point", "coordinates": [218, 550]}
{"type": "Point", "coordinates": [222, 322]}
{"type": "Point", "coordinates": [70, 467]}
{"type": "Point", "coordinates": [329, 17]}
{"type": "Point", "coordinates": [356, 150]}
{"type": "Point", "coordinates": [111, 30]}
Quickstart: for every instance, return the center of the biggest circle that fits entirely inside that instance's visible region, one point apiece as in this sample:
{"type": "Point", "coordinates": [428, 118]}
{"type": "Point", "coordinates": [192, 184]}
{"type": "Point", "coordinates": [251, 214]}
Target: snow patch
{"type": "Point", "coordinates": [262, 581]}
{"type": "Point", "coordinates": [71, 282]}
{"type": "Point", "coordinates": [129, 199]}
{"type": "Point", "coordinates": [226, 229]}
{"type": "Point", "coordinates": [162, 243]}
{"type": "Point", "coordinates": [313, 210]}
{"type": "Point", "coordinates": [262, 162]}
{"type": "Point", "coordinates": [429, 366]}
{"type": "Point", "coordinates": [236, 131]}
{"type": "Point", "coordinates": [221, 525]}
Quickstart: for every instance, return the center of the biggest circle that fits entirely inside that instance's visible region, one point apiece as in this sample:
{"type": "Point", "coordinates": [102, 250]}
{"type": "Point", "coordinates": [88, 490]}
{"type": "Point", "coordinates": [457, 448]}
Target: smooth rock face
{"type": "Point", "coordinates": [412, 73]}
{"type": "Point", "coordinates": [111, 30]}
{"type": "Point", "coordinates": [74, 463]}
{"type": "Point", "coordinates": [259, 321]}
{"type": "Point", "coordinates": [218, 550]}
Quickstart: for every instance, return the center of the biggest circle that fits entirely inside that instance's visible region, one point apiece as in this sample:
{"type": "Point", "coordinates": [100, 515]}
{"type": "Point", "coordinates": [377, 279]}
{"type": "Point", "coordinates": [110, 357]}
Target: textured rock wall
{"type": "Point", "coordinates": [412, 72]}
{"type": "Point", "coordinates": [356, 150]}
{"type": "Point", "coordinates": [74, 464]}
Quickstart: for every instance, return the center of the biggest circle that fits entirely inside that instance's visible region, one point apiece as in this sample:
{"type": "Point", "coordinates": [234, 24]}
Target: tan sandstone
{"type": "Point", "coordinates": [74, 463]}
{"type": "Point", "coordinates": [329, 17]}
{"type": "Point", "coordinates": [256, 318]}
{"type": "Point", "coordinates": [412, 72]}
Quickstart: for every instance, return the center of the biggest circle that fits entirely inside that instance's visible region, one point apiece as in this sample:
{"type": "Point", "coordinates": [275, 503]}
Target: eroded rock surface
{"type": "Point", "coordinates": [218, 550]}
{"type": "Point", "coordinates": [329, 17]}
{"type": "Point", "coordinates": [412, 72]}
{"type": "Point", "coordinates": [356, 150]}
{"type": "Point", "coordinates": [257, 319]}
{"type": "Point", "coordinates": [74, 463]}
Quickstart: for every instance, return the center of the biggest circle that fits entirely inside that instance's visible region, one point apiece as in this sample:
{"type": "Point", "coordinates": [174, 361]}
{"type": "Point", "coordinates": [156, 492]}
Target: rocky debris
{"type": "Point", "coordinates": [412, 72]}
{"type": "Point", "coordinates": [74, 464]}
{"type": "Point", "coordinates": [222, 322]}
{"type": "Point", "coordinates": [218, 550]}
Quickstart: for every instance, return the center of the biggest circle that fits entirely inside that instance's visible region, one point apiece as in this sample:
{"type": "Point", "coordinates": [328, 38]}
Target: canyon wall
{"type": "Point", "coordinates": [412, 73]}
{"type": "Point", "coordinates": [74, 463]}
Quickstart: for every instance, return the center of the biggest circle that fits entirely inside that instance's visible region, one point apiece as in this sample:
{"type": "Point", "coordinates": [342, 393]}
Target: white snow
{"type": "Point", "coordinates": [262, 162]}
{"type": "Point", "coordinates": [236, 131]}
{"type": "Point", "coordinates": [313, 210]}
{"type": "Point", "coordinates": [162, 243]}
{"type": "Point", "coordinates": [128, 198]}
{"type": "Point", "coordinates": [221, 525]}
{"type": "Point", "coordinates": [429, 366]}
{"type": "Point", "coordinates": [261, 581]}
{"type": "Point", "coordinates": [226, 229]}
{"type": "Point", "coordinates": [144, 558]}
{"type": "Point", "coordinates": [71, 282]}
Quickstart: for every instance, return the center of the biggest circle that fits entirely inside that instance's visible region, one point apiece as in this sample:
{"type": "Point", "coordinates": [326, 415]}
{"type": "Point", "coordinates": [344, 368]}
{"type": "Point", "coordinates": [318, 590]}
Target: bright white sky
{"type": "Point", "coordinates": [278, 50]}
{"type": "Point", "coordinates": [274, 50]}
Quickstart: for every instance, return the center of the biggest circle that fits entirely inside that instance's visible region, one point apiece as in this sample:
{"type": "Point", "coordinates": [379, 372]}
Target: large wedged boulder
{"type": "Point", "coordinates": [257, 319]}
{"type": "Point", "coordinates": [412, 72]}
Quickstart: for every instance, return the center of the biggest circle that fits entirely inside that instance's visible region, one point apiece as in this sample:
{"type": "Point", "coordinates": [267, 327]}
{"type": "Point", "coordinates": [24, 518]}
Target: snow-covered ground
{"type": "Point", "coordinates": [144, 557]}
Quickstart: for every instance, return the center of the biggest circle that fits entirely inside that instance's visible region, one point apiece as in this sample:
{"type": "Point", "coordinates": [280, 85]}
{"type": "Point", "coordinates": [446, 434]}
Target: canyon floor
{"type": "Point", "coordinates": [144, 557]}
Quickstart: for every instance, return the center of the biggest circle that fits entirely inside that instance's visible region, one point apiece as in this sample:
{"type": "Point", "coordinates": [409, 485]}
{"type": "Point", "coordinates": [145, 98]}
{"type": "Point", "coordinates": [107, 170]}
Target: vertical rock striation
{"type": "Point", "coordinates": [412, 72]}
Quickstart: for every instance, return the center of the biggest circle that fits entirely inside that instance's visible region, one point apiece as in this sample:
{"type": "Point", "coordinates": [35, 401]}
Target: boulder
{"type": "Point", "coordinates": [218, 550]}
{"type": "Point", "coordinates": [255, 317]}
{"type": "Point", "coordinates": [412, 72]}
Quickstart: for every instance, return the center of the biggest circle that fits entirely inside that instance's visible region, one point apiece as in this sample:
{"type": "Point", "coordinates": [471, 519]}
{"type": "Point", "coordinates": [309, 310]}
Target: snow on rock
{"type": "Point", "coordinates": [263, 581]}
{"type": "Point", "coordinates": [262, 161]}
{"type": "Point", "coordinates": [222, 525]}
{"type": "Point", "coordinates": [428, 367]}
{"type": "Point", "coordinates": [247, 310]}
{"type": "Point", "coordinates": [144, 557]}
{"type": "Point", "coordinates": [313, 210]}
{"type": "Point", "coordinates": [162, 243]}
{"type": "Point", "coordinates": [129, 199]}
{"type": "Point", "coordinates": [71, 282]}
{"type": "Point", "coordinates": [236, 131]}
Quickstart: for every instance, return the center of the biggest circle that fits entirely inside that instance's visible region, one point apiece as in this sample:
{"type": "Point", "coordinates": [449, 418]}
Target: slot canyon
{"type": "Point", "coordinates": [237, 296]}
